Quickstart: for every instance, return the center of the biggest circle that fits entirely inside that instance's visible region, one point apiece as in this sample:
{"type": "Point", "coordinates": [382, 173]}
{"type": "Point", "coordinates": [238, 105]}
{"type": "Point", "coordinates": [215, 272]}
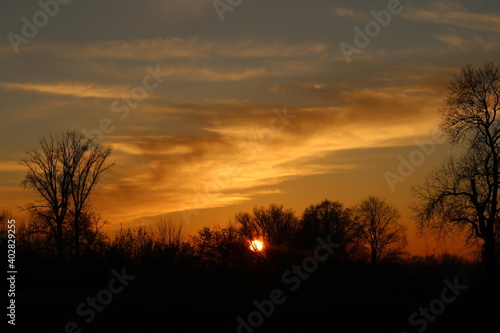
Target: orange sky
{"type": "Point", "coordinates": [216, 117]}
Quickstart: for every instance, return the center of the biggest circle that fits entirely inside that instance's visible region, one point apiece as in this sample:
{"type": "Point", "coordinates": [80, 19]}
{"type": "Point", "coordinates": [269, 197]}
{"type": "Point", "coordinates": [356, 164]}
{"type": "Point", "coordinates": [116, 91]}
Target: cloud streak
{"type": "Point", "coordinates": [454, 14]}
{"type": "Point", "coordinates": [73, 89]}
{"type": "Point", "coordinates": [183, 48]}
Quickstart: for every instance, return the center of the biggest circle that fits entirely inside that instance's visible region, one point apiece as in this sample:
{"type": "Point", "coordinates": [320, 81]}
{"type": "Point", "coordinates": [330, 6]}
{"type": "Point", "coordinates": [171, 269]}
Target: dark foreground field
{"type": "Point", "coordinates": [334, 298]}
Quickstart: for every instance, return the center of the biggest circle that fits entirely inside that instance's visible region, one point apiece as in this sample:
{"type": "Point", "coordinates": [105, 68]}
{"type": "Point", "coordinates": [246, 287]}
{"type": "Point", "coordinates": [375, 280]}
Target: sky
{"type": "Point", "coordinates": [214, 107]}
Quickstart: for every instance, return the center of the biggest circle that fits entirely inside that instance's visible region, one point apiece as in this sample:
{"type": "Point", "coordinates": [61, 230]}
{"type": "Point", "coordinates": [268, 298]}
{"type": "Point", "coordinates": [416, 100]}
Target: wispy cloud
{"type": "Point", "coordinates": [212, 75]}
{"type": "Point", "coordinates": [451, 13]}
{"type": "Point", "coordinates": [74, 89]}
{"type": "Point", "coordinates": [290, 88]}
{"type": "Point", "coordinates": [182, 48]}
{"type": "Point", "coordinates": [469, 44]}
{"type": "Point", "coordinates": [349, 13]}
{"type": "Point", "coordinates": [11, 166]}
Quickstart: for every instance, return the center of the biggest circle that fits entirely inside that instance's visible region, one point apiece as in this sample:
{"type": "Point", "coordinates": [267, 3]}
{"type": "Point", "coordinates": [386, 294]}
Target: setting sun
{"type": "Point", "coordinates": [256, 245]}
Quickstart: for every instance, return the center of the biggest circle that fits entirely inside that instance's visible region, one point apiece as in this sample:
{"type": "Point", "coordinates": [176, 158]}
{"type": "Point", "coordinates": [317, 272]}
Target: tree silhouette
{"type": "Point", "coordinates": [330, 218]}
{"type": "Point", "coordinates": [220, 247]}
{"type": "Point", "coordinates": [167, 232]}
{"type": "Point", "coordinates": [383, 235]}
{"type": "Point", "coordinates": [63, 173]}
{"type": "Point", "coordinates": [133, 246]}
{"type": "Point", "coordinates": [462, 193]}
{"type": "Point", "coordinates": [169, 240]}
{"type": "Point", "coordinates": [275, 225]}
{"type": "Point", "coordinates": [5, 215]}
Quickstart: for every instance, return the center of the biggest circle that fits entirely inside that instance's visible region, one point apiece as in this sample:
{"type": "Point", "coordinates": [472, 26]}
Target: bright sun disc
{"type": "Point", "coordinates": [256, 245]}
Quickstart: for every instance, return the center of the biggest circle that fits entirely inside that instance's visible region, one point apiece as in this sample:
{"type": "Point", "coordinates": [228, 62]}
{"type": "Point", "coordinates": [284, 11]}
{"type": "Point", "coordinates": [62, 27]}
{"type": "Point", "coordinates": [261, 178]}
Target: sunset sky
{"type": "Point", "coordinates": [260, 107]}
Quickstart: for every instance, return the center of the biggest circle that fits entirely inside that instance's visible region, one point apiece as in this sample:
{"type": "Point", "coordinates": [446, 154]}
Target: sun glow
{"type": "Point", "coordinates": [256, 245]}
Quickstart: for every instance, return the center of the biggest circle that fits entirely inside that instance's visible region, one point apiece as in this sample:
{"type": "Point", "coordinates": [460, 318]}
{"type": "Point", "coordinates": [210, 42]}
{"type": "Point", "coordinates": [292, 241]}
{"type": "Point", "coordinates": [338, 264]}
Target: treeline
{"type": "Point", "coordinates": [369, 232]}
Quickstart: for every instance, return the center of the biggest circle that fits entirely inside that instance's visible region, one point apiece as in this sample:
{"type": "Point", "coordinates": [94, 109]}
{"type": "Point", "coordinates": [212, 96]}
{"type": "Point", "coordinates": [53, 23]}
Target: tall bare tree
{"type": "Point", "coordinates": [167, 232]}
{"type": "Point", "coordinates": [379, 227]}
{"type": "Point", "coordinates": [63, 173]}
{"type": "Point", "coordinates": [463, 192]}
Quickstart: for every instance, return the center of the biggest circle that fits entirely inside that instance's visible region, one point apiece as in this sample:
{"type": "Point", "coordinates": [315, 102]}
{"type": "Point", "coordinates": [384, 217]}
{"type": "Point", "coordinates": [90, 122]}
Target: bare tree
{"type": "Point", "coordinates": [167, 232]}
{"type": "Point", "coordinates": [220, 247]}
{"type": "Point", "coordinates": [93, 240]}
{"type": "Point", "coordinates": [331, 218]}
{"type": "Point", "coordinates": [462, 194]}
{"type": "Point", "coordinates": [63, 173]}
{"type": "Point", "coordinates": [383, 235]}
{"type": "Point", "coordinates": [134, 245]}
{"type": "Point", "coordinates": [169, 240]}
{"type": "Point", "coordinates": [275, 225]}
